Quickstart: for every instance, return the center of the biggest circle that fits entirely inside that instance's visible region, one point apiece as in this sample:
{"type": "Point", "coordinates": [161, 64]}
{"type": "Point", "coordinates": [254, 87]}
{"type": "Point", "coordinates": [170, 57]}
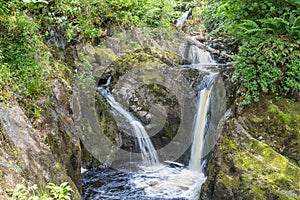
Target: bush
{"type": "Point", "coordinates": [268, 58]}
{"type": "Point", "coordinates": [268, 65]}
{"type": "Point", "coordinates": [20, 44]}
{"type": "Point", "coordinates": [26, 25]}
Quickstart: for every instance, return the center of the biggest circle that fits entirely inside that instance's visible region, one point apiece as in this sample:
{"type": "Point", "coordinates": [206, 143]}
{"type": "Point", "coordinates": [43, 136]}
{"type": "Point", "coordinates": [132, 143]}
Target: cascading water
{"type": "Point", "coordinates": [182, 19]}
{"type": "Point", "coordinates": [196, 56]}
{"type": "Point", "coordinates": [147, 149]}
{"type": "Point", "coordinates": [155, 180]}
{"type": "Point", "coordinates": [199, 56]}
{"type": "Point", "coordinates": [199, 125]}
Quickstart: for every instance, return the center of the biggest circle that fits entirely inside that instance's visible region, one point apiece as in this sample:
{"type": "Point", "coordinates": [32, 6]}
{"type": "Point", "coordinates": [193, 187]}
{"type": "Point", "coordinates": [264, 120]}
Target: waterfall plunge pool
{"type": "Point", "coordinates": [156, 182]}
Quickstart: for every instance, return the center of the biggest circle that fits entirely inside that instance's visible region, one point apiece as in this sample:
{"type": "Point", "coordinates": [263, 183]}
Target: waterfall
{"type": "Point", "coordinates": [199, 56]}
{"type": "Point", "coordinates": [199, 125]}
{"type": "Point", "coordinates": [169, 180]}
{"type": "Point", "coordinates": [147, 149]}
{"type": "Point", "coordinates": [182, 19]}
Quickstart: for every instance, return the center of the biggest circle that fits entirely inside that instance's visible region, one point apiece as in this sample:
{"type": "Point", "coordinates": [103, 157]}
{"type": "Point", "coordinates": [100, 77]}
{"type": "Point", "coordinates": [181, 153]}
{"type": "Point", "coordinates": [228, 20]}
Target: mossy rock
{"type": "Point", "coordinates": [137, 58]}
{"type": "Point", "coordinates": [276, 123]}
{"type": "Point", "coordinates": [241, 167]}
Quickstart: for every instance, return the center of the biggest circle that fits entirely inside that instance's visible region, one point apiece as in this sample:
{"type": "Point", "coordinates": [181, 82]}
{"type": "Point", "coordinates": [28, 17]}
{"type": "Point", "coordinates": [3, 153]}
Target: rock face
{"type": "Point", "coordinates": [41, 150]}
{"type": "Point", "coordinates": [24, 155]}
{"type": "Point", "coordinates": [35, 159]}
{"type": "Point", "coordinates": [62, 132]}
{"type": "Point", "coordinates": [257, 155]}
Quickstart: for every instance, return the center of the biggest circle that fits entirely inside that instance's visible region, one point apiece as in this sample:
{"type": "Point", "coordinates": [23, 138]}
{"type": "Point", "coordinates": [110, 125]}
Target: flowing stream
{"type": "Point", "coordinates": [154, 179]}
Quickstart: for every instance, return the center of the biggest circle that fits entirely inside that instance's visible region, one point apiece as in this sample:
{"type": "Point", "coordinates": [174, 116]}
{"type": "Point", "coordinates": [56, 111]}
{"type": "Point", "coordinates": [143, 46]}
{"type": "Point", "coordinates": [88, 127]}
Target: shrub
{"type": "Point", "coordinates": [19, 44]}
{"type": "Point", "coordinates": [268, 65]}
{"type": "Point", "coordinates": [268, 58]}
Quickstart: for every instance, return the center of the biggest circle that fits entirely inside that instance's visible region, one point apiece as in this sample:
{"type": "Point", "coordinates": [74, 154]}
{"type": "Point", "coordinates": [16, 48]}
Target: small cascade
{"type": "Point", "coordinates": [182, 19]}
{"type": "Point", "coordinates": [199, 125]}
{"type": "Point", "coordinates": [198, 56]}
{"type": "Point", "coordinates": [147, 149]}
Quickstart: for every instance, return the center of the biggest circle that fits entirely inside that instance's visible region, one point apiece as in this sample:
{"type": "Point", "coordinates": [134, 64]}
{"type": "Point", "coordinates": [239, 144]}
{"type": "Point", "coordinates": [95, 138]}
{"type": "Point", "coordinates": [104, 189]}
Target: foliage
{"type": "Point", "coordinates": [268, 60]}
{"type": "Point", "coordinates": [268, 64]}
{"type": "Point", "coordinates": [233, 12]}
{"type": "Point", "coordinates": [51, 192]}
{"type": "Point", "coordinates": [19, 46]}
{"type": "Point", "coordinates": [60, 192]}
{"type": "Point", "coordinates": [27, 24]}
{"type": "Point", "coordinates": [89, 18]}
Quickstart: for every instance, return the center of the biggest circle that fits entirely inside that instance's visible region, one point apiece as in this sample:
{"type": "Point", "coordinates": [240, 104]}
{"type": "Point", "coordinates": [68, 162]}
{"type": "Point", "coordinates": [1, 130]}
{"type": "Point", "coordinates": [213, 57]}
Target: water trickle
{"type": "Point", "coordinates": [148, 152]}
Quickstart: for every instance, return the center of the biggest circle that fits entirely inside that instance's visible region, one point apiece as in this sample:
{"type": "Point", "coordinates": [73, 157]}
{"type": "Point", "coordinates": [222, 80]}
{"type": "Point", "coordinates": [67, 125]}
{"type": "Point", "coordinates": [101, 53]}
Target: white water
{"type": "Point", "coordinates": [198, 56]}
{"type": "Point", "coordinates": [199, 130]}
{"type": "Point", "coordinates": [147, 149]}
{"type": "Point", "coordinates": [182, 19]}
{"type": "Point", "coordinates": [162, 181]}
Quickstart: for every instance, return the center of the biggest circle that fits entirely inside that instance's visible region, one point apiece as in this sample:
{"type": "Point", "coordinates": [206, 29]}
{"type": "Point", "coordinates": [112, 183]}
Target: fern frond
{"type": "Point", "coordinates": [250, 24]}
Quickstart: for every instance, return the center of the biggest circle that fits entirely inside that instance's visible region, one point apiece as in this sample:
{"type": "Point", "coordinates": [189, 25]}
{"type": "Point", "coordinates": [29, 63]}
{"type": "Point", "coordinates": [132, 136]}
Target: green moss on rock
{"type": "Point", "coordinates": [242, 167]}
{"type": "Point", "coordinates": [278, 125]}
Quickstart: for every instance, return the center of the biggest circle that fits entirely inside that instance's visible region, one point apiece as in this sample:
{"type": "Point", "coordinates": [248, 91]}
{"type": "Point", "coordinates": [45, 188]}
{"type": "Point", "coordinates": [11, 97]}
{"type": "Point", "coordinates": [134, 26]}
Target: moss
{"type": "Point", "coordinates": [226, 180]}
{"type": "Point", "coordinates": [272, 108]}
{"type": "Point", "coordinates": [58, 166]}
{"type": "Point", "coordinates": [257, 119]}
{"type": "Point", "coordinates": [256, 190]}
{"type": "Point", "coordinates": [278, 123]}
{"type": "Point", "coordinates": [286, 118]}
{"type": "Point", "coordinates": [137, 59]}
{"type": "Point", "coordinates": [243, 167]}
{"type": "Point", "coordinates": [230, 143]}
{"type": "Point", "coordinates": [270, 168]}
{"type": "Point", "coordinates": [102, 58]}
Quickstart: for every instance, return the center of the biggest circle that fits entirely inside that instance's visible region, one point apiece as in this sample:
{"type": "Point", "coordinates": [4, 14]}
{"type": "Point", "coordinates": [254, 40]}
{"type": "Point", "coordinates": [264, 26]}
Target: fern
{"type": "Point", "coordinates": [250, 27]}
{"type": "Point", "coordinates": [250, 24]}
